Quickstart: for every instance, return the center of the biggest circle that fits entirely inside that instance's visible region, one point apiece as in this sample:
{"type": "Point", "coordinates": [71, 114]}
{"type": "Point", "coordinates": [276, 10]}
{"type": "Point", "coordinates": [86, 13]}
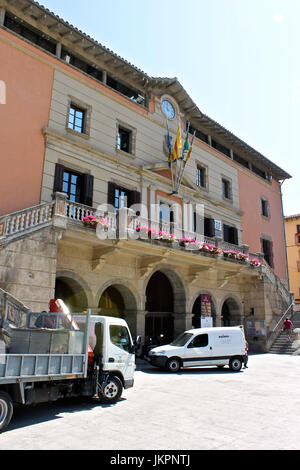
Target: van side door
{"type": "Point", "coordinates": [198, 351]}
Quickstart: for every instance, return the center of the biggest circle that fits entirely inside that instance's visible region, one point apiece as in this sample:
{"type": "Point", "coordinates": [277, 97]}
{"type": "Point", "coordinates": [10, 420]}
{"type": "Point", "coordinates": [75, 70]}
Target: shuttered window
{"type": "Point", "coordinates": [120, 197]}
{"type": "Point", "coordinates": [78, 186]}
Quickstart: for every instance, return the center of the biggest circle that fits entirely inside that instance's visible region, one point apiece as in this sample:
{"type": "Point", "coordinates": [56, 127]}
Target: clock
{"type": "Point", "coordinates": [168, 109]}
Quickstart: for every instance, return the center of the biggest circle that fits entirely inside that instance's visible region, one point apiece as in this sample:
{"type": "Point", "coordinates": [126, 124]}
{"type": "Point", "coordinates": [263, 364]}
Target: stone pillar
{"type": "Point", "coordinates": [182, 322]}
{"type": "Point", "coordinates": [136, 323]}
{"type": "Point", "coordinates": [2, 16]}
{"type": "Point", "coordinates": [58, 49]}
{"type": "Point", "coordinates": [59, 217]}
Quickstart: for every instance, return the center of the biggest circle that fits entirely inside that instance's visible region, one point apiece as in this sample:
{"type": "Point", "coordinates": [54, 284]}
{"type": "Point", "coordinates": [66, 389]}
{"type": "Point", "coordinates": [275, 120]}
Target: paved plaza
{"type": "Point", "coordinates": [197, 409]}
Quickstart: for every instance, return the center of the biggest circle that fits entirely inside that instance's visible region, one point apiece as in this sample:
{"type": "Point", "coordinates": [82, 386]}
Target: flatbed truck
{"type": "Point", "coordinates": [42, 364]}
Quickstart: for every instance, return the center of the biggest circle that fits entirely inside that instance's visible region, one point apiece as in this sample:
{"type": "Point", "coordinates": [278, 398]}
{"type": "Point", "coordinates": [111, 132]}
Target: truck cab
{"type": "Point", "coordinates": [112, 345]}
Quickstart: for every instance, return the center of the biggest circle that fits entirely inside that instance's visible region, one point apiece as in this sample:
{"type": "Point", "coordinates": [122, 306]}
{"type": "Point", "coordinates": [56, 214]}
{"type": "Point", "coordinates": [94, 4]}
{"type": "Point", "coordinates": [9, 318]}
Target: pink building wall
{"type": "Point", "coordinates": [29, 84]}
{"type": "Point", "coordinates": [251, 190]}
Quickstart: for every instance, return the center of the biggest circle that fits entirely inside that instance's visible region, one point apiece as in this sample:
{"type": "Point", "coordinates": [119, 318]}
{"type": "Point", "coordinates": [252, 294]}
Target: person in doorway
{"type": "Point", "coordinates": [288, 328]}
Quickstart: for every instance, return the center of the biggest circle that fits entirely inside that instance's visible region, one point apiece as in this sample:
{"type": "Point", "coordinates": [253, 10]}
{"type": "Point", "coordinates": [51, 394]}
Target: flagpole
{"type": "Point", "coordinates": [190, 150]}
{"type": "Point", "coordinates": [177, 170]}
{"type": "Point", "coordinates": [185, 152]}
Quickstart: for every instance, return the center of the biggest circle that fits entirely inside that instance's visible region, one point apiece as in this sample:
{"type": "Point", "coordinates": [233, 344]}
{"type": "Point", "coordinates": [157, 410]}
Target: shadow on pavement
{"type": "Point", "coordinates": [30, 415]}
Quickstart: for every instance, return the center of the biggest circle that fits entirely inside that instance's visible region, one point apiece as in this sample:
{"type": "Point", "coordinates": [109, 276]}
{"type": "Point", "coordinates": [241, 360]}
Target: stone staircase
{"type": "Point", "coordinates": [283, 346]}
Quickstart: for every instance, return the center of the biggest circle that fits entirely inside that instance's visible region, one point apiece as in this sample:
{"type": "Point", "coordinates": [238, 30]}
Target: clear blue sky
{"type": "Point", "coordinates": [238, 60]}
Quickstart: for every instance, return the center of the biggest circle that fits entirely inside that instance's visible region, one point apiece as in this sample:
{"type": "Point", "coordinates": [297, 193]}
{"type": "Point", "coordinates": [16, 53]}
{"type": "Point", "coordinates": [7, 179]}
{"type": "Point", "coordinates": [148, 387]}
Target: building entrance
{"type": "Point", "coordinates": [231, 314]}
{"type": "Point", "coordinates": [159, 322]}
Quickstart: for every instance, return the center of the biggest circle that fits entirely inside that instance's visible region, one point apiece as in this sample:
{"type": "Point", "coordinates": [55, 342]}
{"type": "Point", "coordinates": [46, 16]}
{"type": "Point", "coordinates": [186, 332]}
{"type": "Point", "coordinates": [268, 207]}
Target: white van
{"type": "Point", "coordinates": [203, 347]}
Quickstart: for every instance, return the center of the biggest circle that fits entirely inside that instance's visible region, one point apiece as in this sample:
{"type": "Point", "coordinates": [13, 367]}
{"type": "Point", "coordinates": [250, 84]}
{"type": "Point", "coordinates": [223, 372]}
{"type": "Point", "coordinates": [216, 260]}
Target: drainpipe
{"type": "Point", "coordinates": [285, 247]}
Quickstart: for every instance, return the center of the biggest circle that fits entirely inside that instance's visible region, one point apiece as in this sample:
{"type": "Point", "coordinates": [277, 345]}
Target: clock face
{"type": "Point", "coordinates": [168, 109]}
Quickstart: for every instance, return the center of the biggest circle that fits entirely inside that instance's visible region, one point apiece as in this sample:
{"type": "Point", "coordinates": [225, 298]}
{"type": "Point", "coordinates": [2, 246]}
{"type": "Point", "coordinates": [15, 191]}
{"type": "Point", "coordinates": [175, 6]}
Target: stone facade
{"type": "Point", "coordinates": [46, 251]}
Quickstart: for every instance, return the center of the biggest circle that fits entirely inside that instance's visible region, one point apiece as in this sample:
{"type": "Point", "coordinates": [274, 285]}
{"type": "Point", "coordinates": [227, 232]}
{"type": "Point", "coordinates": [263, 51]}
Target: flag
{"type": "Point", "coordinates": [190, 151]}
{"type": "Point", "coordinates": [177, 146]}
{"type": "Point", "coordinates": [169, 146]}
{"type": "Point", "coordinates": [186, 146]}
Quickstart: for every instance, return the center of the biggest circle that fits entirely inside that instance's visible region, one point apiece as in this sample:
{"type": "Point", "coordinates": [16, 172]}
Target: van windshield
{"type": "Point", "coordinates": [182, 339]}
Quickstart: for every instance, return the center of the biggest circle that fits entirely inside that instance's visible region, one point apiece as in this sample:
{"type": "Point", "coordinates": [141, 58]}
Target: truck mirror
{"type": "Point", "coordinates": [138, 340]}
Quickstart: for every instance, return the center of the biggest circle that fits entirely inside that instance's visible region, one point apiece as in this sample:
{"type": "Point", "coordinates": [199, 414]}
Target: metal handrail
{"type": "Point", "coordinates": [275, 333]}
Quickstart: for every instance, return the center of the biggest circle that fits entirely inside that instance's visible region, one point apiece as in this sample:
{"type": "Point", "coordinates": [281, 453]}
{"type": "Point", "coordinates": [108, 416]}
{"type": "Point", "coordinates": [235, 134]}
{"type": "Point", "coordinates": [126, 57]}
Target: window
{"type": "Point", "coordinates": [122, 197]}
{"type": "Point", "coordinates": [76, 120]}
{"type": "Point", "coordinates": [28, 32]}
{"type": "Point", "coordinates": [119, 336]}
{"type": "Point", "coordinates": [298, 235]}
{"type": "Point", "coordinates": [72, 186]}
{"type": "Point", "coordinates": [124, 140]}
{"type": "Point", "coordinates": [201, 177]}
{"type": "Point", "coordinates": [119, 197]}
{"type": "Point", "coordinates": [226, 189]}
{"type": "Point", "coordinates": [78, 186]}
{"type": "Point", "coordinates": [221, 148]}
{"type": "Point", "coordinates": [265, 208]}
{"type": "Point", "coordinates": [199, 134]}
{"type": "Point", "coordinates": [240, 160]}
{"type": "Point", "coordinates": [199, 341]}
{"type": "Point", "coordinates": [182, 339]}
{"type": "Point", "coordinates": [267, 250]}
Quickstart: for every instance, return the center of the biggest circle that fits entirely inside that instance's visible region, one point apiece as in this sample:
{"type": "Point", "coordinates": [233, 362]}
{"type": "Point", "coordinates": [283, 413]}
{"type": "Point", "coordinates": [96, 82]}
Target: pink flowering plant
{"type": "Point", "coordinates": [92, 221]}
{"type": "Point", "coordinates": [235, 255]}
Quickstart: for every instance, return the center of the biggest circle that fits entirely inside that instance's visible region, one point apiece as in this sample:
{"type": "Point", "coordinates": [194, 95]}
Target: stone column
{"type": "Point", "coordinates": [2, 16]}
{"type": "Point", "coordinates": [58, 49]}
{"type": "Point", "coordinates": [136, 322]}
{"type": "Point", "coordinates": [182, 322]}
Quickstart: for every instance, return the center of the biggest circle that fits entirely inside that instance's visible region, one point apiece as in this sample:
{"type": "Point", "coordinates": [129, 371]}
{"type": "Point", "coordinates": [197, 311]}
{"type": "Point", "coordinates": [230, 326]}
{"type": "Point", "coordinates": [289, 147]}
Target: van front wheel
{"type": "Point", "coordinates": [173, 365]}
{"type": "Point", "coordinates": [235, 364]}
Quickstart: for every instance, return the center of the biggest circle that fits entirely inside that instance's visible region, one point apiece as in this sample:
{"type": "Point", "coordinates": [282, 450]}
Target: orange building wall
{"type": "Point", "coordinates": [254, 225]}
{"type": "Point", "coordinates": [29, 85]}
{"type": "Point", "coordinates": [293, 252]}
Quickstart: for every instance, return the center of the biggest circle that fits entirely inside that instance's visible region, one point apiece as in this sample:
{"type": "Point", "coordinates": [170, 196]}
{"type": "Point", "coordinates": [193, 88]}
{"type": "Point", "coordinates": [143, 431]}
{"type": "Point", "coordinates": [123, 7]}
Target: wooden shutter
{"type": "Point", "coordinates": [235, 236]}
{"type": "Point", "coordinates": [226, 235]}
{"type": "Point", "coordinates": [111, 193]}
{"type": "Point", "coordinates": [58, 178]}
{"type": "Point", "coordinates": [271, 254]}
{"type": "Point", "coordinates": [87, 189]}
{"type": "Point", "coordinates": [209, 227]}
{"type": "Point", "coordinates": [134, 198]}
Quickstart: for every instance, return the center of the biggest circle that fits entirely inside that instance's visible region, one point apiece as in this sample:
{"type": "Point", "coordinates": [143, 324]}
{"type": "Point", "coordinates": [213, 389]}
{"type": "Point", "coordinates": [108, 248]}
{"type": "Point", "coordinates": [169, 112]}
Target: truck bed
{"type": "Point", "coordinates": [40, 367]}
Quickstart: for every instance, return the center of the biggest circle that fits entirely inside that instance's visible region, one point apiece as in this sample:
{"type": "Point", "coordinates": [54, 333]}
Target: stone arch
{"type": "Point", "coordinates": [129, 294]}
{"type": "Point", "coordinates": [178, 286]}
{"type": "Point", "coordinates": [195, 305]}
{"type": "Point", "coordinates": [124, 300]}
{"type": "Point", "coordinates": [231, 311]}
{"type": "Point", "coordinates": [162, 326]}
{"type": "Point", "coordinates": [73, 290]}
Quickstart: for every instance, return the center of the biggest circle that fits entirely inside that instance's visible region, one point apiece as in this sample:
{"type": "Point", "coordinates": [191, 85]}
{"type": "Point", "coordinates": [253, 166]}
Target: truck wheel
{"type": "Point", "coordinates": [111, 391]}
{"type": "Point", "coordinates": [6, 410]}
{"type": "Point", "coordinates": [173, 365]}
{"type": "Point", "coordinates": [235, 364]}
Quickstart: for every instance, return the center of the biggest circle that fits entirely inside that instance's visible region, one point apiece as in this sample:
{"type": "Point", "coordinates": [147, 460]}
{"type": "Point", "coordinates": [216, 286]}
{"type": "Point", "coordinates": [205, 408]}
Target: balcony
{"type": "Point", "coordinates": [124, 225]}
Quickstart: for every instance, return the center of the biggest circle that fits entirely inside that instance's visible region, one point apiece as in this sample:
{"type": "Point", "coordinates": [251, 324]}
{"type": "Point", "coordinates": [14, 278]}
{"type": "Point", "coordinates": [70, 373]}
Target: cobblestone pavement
{"type": "Point", "coordinates": [196, 409]}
